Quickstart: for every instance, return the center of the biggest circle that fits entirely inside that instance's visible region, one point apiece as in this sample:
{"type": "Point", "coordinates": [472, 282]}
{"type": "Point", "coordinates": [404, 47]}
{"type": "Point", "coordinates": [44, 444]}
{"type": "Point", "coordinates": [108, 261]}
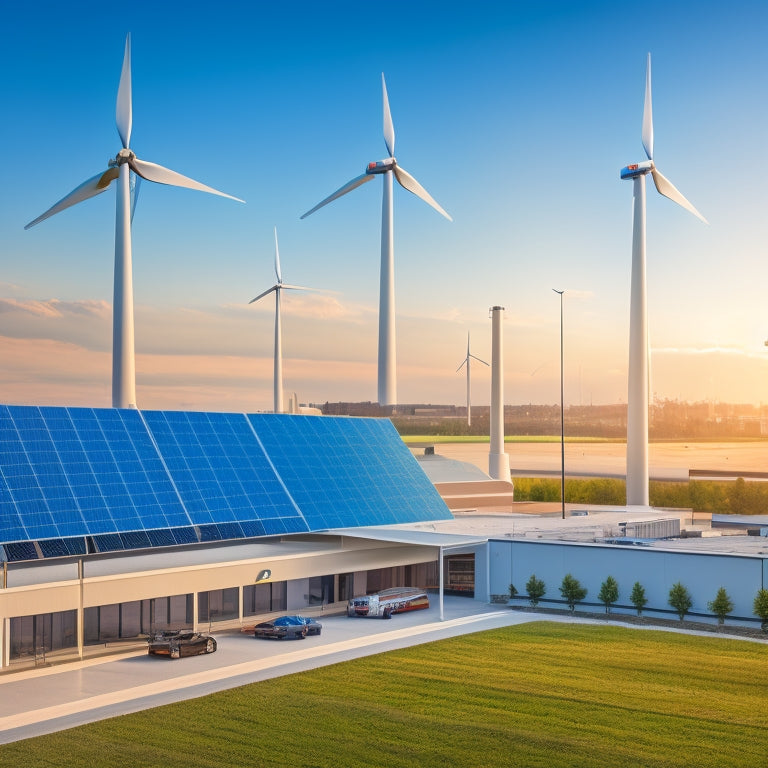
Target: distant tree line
{"type": "Point", "coordinates": [737, 497]}
{"type": "Point", "coordinates": [669, 419]}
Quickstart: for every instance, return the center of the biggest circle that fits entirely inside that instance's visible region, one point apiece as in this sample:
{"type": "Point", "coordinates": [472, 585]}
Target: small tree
{"type": "Point", "coordinates": [760, 608]}
{"type": "Point", "coordinates": [680, 599]}
{"type": "Point", "coordinates": [609, 593]}
{"type": "Point", "coordinates": [572, 591]}
{"type": "Point", "coordinates": [721, 606]}
{"type": "Point", "coordinates": [512, 592]}
{"type": "Point", "coordinates": [535, 589]}
{"type": "Point", "coordinates": [638, 598]}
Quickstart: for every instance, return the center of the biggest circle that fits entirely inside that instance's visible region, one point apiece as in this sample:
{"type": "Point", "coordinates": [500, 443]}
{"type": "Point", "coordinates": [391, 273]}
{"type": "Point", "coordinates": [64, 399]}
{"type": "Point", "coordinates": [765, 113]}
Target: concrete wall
{"type": "Point", "coordinates": [514, 561]}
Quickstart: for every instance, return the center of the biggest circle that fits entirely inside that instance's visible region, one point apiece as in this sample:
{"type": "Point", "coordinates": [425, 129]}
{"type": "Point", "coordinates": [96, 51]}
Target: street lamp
{"type": "Point", "coordinates": [562, 416]}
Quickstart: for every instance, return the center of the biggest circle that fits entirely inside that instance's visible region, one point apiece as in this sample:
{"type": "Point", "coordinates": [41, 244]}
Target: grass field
{"type": "Point", "coordinates": [541, 694]}
{"type": "Point", "coordinates": [436, 439]}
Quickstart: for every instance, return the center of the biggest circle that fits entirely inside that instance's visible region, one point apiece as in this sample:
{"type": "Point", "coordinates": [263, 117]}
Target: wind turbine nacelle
{"type": "Point", "coordinates": [382, 166]}
{"type": "Point", "coordinates": [637, 169]}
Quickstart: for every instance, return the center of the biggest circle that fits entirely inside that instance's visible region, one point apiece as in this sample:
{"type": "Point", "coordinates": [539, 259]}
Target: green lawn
{"type": "Point", "coordinates": [541, 694]}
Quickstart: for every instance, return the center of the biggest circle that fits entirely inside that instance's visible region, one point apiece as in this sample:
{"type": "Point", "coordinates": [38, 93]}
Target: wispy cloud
{"type": "Point", "coordinates": [54, 308]}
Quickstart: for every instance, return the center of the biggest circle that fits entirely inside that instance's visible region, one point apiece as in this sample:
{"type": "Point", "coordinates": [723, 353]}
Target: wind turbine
{"type": "Point", "coordinates": [464, 362]}
{"type": "Point", "coordinates": [637, 399]}
{"type": "Point", "coordinates": [278, 287]}
{"type": "Point", "coordinates": [387, 384]}
{"type": "Point", "coordinates": [123, 360]}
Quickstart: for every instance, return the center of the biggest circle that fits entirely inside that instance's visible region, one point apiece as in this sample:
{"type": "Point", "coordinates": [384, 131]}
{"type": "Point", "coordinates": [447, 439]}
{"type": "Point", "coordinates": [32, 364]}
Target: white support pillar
{"type": "Point", "coordinates": [80, 611]}
{"type": "Point", "coordinates": [442, 584]}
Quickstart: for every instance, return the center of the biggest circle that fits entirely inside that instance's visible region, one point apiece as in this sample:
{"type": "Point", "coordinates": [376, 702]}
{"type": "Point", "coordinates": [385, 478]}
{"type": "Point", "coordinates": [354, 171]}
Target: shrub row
{"type": "Point", "coordinates": [679, 597]}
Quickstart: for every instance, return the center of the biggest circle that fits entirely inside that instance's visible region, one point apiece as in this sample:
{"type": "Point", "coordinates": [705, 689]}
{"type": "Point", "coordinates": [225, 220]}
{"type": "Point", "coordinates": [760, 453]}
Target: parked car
{"type": "Point", "coordinates": [293, 627]}
{"type": "Point", "coordinates": [183, 643]}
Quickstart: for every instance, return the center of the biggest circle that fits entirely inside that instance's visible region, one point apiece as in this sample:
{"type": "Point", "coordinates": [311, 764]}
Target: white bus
{"type": "Point", "coordinates": [388, 601]}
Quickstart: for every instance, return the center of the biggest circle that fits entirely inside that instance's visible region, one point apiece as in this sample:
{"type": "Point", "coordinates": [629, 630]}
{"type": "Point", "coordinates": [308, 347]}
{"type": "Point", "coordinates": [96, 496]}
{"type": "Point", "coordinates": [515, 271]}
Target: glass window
{"type": "Point", "coordinates": [346, 586]}
{"type": "Point", "coordinates": [38, 635]}
{"type": "Point", "coordinates": [320, 590]}
{"type": "Point", "coordinates": [264, 598]}
{"type": "Point", "coordinates": [218, 605]}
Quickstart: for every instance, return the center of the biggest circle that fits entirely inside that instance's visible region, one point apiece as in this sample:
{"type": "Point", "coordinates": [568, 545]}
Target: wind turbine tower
{"type": "Point", "coordinates": [498, 461]}
{"type": "Point", "coordinates": [464, 362]}
{"type": "Point", "coordinates": [638, 378]}
{"type": "Point", "coordinates": [387, 381]}
{"type": "Point", "coordinates": [120, 168]}
{"type": "Point", "coordinates": [278, 288]}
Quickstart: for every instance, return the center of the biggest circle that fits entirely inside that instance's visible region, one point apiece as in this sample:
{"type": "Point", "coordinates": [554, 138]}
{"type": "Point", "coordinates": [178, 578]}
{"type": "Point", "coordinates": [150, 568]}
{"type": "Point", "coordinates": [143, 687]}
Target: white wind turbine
{"type": "Point", "coordinates": [464, 362]}
{"type": "Point", "coordinates": [278, 287]}
{"type": "Point", "coordinates": [387, 384]}
{"type": "Point", "coordinates": [637, 399]}
{"type": "Point", "coordinates": [123, 361]}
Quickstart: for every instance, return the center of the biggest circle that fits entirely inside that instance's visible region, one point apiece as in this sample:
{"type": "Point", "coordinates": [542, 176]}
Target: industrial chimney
{"type": "Point", "coordinates": [498, 461]}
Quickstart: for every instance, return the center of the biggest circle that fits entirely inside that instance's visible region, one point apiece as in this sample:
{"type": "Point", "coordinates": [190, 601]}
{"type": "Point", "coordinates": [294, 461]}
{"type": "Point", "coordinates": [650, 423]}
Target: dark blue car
{"type": "Point", "coordinates": [294, 627]}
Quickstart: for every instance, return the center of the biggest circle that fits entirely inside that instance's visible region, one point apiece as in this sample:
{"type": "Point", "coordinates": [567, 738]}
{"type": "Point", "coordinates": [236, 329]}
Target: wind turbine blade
{"type": "Point", "coordinates": [277, 260]}
{"type": "Point", "coordinates": [648, 113]}
{"type": "Point", "coordinates": [464, 362]}
{"type": "Point", "coordinates": [265, 293]}
{"type": "Point", "coordinates": [94, 186]}
{"type": "Point", "coordinates": [160, 175]}
{"type": "Point", "coordinates": [668, 189]}
{"type": "Point", "coordinates": [478, 359]}
{"type": "Point", "coordinates": [135, 184]}
{"type": "Point", "coordinates": [124, 111]}
{"type": "Point", "coordinates": [339, 192]}
{"type": "Point", "coordinates": [389, 128]}
{"type": "Point", "coordinates": [408, 182]}
{"type": "Point", "coordinates": [290, 287]}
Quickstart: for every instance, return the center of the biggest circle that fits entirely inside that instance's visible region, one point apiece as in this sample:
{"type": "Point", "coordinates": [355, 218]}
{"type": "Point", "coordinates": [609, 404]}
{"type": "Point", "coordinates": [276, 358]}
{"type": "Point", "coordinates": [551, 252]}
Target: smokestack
{"type": "Point", "coordinates": [498, 461]}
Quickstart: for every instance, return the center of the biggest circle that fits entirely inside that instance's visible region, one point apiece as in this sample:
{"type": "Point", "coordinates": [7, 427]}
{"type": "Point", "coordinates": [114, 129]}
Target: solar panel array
{"type": "Point", "coordinates": [77, 480]}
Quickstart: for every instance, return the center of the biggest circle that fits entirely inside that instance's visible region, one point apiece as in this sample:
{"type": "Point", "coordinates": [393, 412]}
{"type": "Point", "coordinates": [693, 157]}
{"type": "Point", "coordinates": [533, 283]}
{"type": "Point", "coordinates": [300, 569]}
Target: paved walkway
{"type": "Point", "coordinates": [40, 701]}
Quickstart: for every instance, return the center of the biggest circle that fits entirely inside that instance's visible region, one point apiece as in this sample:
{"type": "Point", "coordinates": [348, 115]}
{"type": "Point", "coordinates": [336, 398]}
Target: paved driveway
{"type": "Point", "coordinates": [42, 701]}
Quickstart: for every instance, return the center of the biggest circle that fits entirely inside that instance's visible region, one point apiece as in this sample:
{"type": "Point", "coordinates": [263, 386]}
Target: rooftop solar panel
{"type": "Point", "coordinates": [220, 471]}
{"type": "Point", "coordinates": [348, 471]}
{"type": "Point", "coordinates": [128, 479]}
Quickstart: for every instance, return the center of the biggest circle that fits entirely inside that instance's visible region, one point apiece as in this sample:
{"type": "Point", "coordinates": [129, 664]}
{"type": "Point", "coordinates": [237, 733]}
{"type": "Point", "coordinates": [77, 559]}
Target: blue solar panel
{"type": "Point", "coordinates": [220, 471]}
{"type": "Point", "coordinates": [128, 479]}
{"type": "Point", "coordinates": [348, 472]}
{"type": "Point", "coordinates": [62, 547]}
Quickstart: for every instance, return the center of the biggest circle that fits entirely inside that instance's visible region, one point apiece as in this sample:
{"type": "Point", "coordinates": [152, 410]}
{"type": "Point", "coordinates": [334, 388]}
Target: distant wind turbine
{"type": "Point", "coordinates": [464, 362]}
{"type": "Point", "coordinates": [123, 360]}
{"type": "Point", "coordinates": [387, 384]}
{"type": "Point", "coordinates": [278, 287]}
{"type": "Point", "coordinates": [637, 400]}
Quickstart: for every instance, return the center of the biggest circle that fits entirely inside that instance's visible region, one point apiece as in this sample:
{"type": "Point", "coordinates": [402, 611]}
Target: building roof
{"type": "Point", "coordinates": [79, 480]}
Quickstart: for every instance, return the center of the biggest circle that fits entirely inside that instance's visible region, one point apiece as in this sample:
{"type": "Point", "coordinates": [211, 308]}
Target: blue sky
{"type": "Point", "coordinates": [517, 118]}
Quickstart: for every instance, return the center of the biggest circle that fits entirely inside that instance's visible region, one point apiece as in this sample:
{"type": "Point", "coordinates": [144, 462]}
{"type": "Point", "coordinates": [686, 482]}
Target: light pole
{"type": "Point", "coordinates": [562, 416]}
